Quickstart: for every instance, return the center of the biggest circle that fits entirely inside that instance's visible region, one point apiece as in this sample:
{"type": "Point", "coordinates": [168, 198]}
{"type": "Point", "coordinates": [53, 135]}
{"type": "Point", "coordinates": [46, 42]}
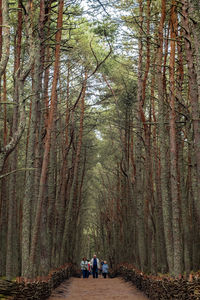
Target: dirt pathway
{"type": "Point", "coordinates": [96, 289]}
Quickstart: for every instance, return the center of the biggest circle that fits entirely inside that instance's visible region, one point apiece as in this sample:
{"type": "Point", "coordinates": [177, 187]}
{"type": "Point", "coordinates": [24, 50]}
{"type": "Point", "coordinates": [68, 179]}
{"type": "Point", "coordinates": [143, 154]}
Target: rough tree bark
{"type": "Point", "coordinates": [166, 206]}
{"type": "Point", "coordinates": [177, 240]}
{"type": "Point", "coordinates": [139, 164]}
{"type": "Point", "coordinates": [194, 96]}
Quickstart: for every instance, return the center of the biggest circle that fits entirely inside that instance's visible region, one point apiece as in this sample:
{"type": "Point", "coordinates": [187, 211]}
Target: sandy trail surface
{"type": "Point", "coordinates": [96, 289]}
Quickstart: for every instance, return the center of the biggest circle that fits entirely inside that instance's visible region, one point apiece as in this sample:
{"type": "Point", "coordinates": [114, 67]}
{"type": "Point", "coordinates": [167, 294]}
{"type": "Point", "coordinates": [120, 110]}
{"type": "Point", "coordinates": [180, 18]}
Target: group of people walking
{"type": "Point", "coordinates": [94, 266]}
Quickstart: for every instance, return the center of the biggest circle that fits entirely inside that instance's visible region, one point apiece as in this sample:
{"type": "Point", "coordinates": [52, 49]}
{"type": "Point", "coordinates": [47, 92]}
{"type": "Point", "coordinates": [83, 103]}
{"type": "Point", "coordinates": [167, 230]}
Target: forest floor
{"type": "Point", "coordinates": [96, 289]}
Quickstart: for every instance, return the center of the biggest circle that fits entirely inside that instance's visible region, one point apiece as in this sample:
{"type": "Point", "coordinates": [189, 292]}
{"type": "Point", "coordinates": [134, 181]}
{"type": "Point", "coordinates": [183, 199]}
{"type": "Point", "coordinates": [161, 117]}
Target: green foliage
{"type": "Point", "coordinates": [107, 29]}
{"type": "Point", "coordinates": [129, 95]}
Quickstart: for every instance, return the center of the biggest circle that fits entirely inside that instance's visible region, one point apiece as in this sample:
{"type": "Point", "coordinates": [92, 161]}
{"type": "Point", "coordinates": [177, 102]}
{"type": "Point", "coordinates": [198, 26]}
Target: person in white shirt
{"type": "Point", "coordinates": [84, 267]}
{"type": "Point", "coordinates": [95, 266]}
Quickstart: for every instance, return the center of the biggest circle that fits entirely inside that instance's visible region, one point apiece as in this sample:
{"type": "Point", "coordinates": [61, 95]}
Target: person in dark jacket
{"type": "Point", "coordinates": [94, 264]}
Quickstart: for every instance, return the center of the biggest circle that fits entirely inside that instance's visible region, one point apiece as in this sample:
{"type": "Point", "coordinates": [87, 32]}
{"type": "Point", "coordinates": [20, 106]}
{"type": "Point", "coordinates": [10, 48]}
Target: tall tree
{"type": "Point", "coordinates": [36, 228]}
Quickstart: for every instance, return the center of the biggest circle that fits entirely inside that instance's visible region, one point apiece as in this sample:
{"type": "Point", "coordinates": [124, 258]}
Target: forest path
{"type": "Point", "coordinates": [96, 289]}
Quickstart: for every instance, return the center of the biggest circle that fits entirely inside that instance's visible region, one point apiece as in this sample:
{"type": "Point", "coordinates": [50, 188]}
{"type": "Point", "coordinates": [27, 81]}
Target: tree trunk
{"type": "Point", "coordinates": [138, 147]}
{"type": "Point", "coordinates": [166, 205]}
{"type": "Point", "coordinates": [12, 259]}
{"type": "Point", "coordinates": [177, 241]}
{"type": "Point", "coordinates": [194, 97]}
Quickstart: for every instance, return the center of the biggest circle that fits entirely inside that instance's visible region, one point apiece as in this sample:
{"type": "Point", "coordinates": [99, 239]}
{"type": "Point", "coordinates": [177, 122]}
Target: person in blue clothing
{"type": "Point", "coordinates": [105, 269]}
{"type": "Point", "coordinates": [95, 266]}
